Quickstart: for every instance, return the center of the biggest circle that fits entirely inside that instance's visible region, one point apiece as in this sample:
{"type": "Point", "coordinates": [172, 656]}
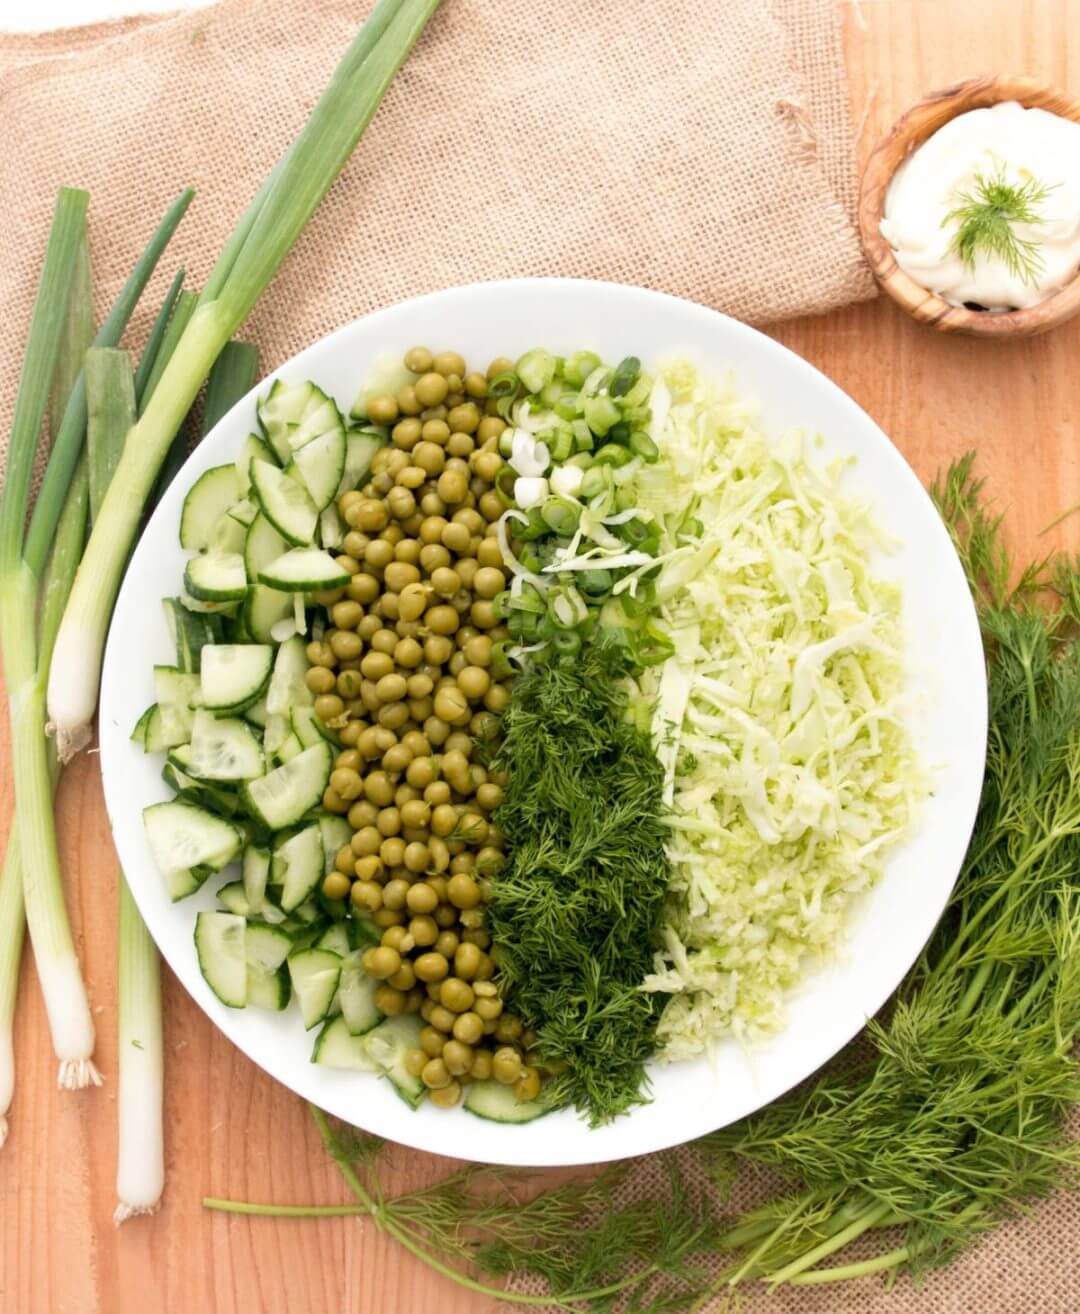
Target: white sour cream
{"type": "Point", "coordinates": [1004, 139]}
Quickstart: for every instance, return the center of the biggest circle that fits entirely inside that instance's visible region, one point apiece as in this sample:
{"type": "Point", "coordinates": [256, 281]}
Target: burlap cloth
{"type": "Point", "coordinates": [703, 147]}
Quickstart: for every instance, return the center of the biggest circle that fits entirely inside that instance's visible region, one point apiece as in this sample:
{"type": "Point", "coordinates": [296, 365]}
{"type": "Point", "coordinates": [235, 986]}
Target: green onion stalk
{"type": "Point", "coordinates": [59, 320]}
{"type": "Point", "coordinates": [251, 257]}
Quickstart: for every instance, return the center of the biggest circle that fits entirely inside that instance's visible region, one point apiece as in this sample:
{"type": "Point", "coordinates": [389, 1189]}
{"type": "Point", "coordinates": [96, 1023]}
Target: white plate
{"type": "Point", "coordinates": [945, 662]}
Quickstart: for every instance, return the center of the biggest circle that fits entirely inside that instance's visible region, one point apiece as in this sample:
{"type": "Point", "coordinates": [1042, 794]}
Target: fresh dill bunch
{"type": "Point", "coordinates": [986, 219]}
{"type": "Point", "coordinates": [576, 910]}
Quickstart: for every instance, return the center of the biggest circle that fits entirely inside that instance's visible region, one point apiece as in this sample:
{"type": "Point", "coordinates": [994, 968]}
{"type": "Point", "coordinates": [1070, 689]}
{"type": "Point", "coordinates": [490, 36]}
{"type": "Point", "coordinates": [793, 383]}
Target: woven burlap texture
{"type": "Point", "coordinates": [670, 143]}
{"type": "Point", "coordinates": [699, 147]}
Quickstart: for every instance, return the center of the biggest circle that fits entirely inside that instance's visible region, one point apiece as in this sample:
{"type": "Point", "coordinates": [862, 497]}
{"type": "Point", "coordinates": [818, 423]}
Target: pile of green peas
{"type": "Point", "coordinates": [408, 675]}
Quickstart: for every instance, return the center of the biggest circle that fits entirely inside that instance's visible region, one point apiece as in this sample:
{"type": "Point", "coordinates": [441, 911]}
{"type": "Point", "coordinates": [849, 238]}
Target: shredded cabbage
{"type": "Point", "coordinates": [778, 719]}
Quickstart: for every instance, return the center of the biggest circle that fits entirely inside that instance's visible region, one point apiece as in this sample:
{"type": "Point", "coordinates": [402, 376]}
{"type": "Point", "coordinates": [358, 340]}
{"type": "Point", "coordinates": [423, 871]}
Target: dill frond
{"type": "Point", "coordinates": [985, 221]}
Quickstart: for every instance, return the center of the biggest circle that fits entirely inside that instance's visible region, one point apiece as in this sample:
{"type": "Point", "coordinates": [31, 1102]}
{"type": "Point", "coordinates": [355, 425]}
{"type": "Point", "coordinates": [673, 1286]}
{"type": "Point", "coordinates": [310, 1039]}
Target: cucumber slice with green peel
{"type": "Point", "coordinates": [388, 1043]}
{"type": "Point", "coordinates": [220, 945]}
{"type": "Point", "coordinates": [173, 687]}
{"type": "Point", "coordinates": [331, 527]}
{"type": "Point", "coordinates": [243, 512]}
{"type": "Point", "coordinates": [138, 733]}
{"type": "Point", "coordinates": [320, 465]}
{"type": "Point", "coordinates": [262, 545]}
{"type": "Point", "coordinates": [315, 974]}
{"type": "Point", "coordinates": [300, 861]}
{"type": "Point", "coordinates": [252, 449]}
{"type": "Point", "coordinates": [233, 899]}
{"type": "Point", "coordinates": [228, 536]}
{"type": "Point", "coordinates": [188, 842]}
{"type": "Point", "coordinates": [207, 504]}
{"type": "Point", "coordinates": [281, 797]}
{"type": "Point", "coordinates": [216, 577]}
{"type": "Point", "coordinates": [336, 939]}
{"type": "Point", "coordinates": [256, 713]}
{"type": "Point", "coordinates": [320, 416]}
{"type": "Point", "coordinates": [285, 502]}
{"type": "Point", "coordinates": [287, 691]}
{"type": "Point", "coordinates": [234, 675]}
{"type": "Point", "coordinates": [335, 832]}
{"type": "Point", "coordinates": [256, 872]}
{"type": "Point", "coordinates": [360, 448]}
{"type": "Point", "coordinates": [210, 610]}
{"type": "Point", "coordinates": [282, 409]}
{"type": "Point", "coordinates": [167, 728]}
{"type": "Point", "coordinates": [387, 375]}
{"type": "Point", "coordinates": [303, 569]}
{"type": "Point", "coordinates": [365, 933]}
{"type": "Point", "coordinates": [223, 748]}
{"type": "Point", "coordinates": [310, 914]}
{"type": "Point", "coordinates": [337, 1047]}
{"type": "Point", "coordinates": [264, 608]}
{"type": "Point", "coordinates": [269, 984]}
{"type": "Point", "coordinates": [356, 996]}
{"type": "Point", "coordinates": [292, 747]}
{"type": "Point", "coordinates": [189, 631]}
{"type": "Point", "coordinates": [200, 792]}
{"type": "Point", "coordinates": [307, 727]}
{"type": "Point", "coordinates": [497, 1103]}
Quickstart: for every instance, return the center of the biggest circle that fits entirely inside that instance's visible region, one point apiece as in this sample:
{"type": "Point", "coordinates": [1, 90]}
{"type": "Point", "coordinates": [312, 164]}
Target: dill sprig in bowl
{"type": "Point", "coordinates": [993, 218]}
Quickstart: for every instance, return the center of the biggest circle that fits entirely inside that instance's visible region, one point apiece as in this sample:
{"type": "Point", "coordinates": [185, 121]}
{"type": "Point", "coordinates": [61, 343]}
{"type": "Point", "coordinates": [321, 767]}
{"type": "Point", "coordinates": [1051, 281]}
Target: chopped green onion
{"type": "Point", "coordinates": [567, 643]}
{"type": "Point", "coordinates": [140, 1166]}
{"type": "Point", "coordinates": [561, 515]}
{"type": "Point", "coordinates": [614, 455]}
{"type": "Point", "coordinates": [625, 376]}
{"type": "Point", "coordinates": [595, 584]}
{"type": "Point", "coordinates": [596, 480]}
{"type": "Point", "coordinates": [601, 413]}
{"type": "Point", "coordinates": [561, 446]}
{"type": "Point", "coordinates": [566, 607]}
{"type": "Point", "coordinates": [110, 412]}
{"type": "Point", "coordinates": [583, 436]}
{"type": "Point", "coordinates": [579, 366]}
{"type": "Point", "coordinates": [536, 369]}
{"type": "Point", "coordinates": [642, 445]}
{"type": "Point", "coordinates": [157, 336]}
{"type": "Point", "coordinates": [567, 406]}
{"type": "Point", "coordinates": [253, 255]}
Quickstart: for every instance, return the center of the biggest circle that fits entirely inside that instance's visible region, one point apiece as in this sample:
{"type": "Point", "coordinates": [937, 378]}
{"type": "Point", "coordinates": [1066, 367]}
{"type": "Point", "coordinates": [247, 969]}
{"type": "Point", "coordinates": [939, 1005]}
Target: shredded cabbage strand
{"type": "Point", "coordinates": [778, 719]}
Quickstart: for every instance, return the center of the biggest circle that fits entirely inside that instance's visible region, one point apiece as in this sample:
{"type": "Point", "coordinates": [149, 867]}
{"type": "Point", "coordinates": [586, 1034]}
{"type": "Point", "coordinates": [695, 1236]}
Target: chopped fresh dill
{"type": "Point", "coordinates": [575, 910]}
{"type": "Point", "coordinates": [986, 218]}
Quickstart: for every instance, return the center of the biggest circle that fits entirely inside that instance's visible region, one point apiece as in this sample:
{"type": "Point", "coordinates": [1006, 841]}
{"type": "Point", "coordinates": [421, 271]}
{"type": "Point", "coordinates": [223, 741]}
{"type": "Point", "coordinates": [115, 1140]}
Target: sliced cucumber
{"type": "Point", "coordinates": [387, 374]}
{"type": "Point", "coordinates": [335, 832]}
{"type": "Point", "coordinates": [256, 713]}
{"type": "Point", "coordinates": [228, 536]}
{"type": "Point", "coordinates": [497, 1103]}
{"type": "Point", "coordinates": [253, 449]}
{"type": "Point", "coordinates": [175, 688]}
{"type": "Point", "coordinates": [234, 675]}
{"type": "Point", "coordinates": [302, 569]}
{"type": "Point", "coordinates": [138, 733]}
{"type": "Point", "coordinates": [202, 793]}
{"type": "Point", "coordinates": [321, 463]}
{"type": "Point", "coordinates": [388, 1044]}
{"type": "Point", "coordinates": [300, 862]}
{"type": "Point", "coordinates": [210, 610]}
{"type": "Point", "coordinates": [269, 984]}
{"type": "Point", "coordinates": [309, 729]}
{"type": "Point", "coordinates": [256, 869]}
{"type": "Point", "coordinates": [360, 448]}
{"type": "Point", "coordinates": [285, 502]}
{"type": "Point", "coordinates": [206, 505]}
{"type": "Point", "coordinates": [337, 1047]}
{"type": "Point", "coordinates": [283, 408]}
{"type": "Point", "coordinates": [233, 899]}
{"type": "Point", "coordinates": [265, 608]}
{"type": "Point", "coordinates": [281, 798]}
{"type": "Point", "coordinates": [315, 974]}
{"type": "Point", "coordinates": [187, 843]}
{"type": "Point", "coordinates": [166, 728]}
{"type": "Point", "coordinates": [356, 996]}
{"type": "Point", "coordinates": [224, 748]}
{"type": "Point", "coordinates": [336, 939]}
{"type": "Point", "coordinates": [220, 944]}
{"type": "Point", "coordinates": [216, 577]}
{"type": "Point", "coordinates": [292, 747]}
{"type": "Point", "coordinates": [320, 416]}
{"type": "Point", "coordinates": [288, 690]}
{"type": "Point", "coordinates": [189, 632]}
{"type": "Point", "coordinates": [243, 512]}
{"type": "Point", "coordinates": [262, 545]}
{"type": "Point", "coordinates": [331, 527]}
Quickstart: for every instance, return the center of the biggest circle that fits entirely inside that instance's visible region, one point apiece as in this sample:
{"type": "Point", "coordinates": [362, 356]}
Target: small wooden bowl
{"type": "Point", "coordinates": [911, 131]}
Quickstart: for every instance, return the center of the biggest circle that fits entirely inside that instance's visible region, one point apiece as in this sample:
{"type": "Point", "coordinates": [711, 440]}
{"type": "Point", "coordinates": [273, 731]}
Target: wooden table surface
{"type": "Point", "coordinates": [230, 1129]}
